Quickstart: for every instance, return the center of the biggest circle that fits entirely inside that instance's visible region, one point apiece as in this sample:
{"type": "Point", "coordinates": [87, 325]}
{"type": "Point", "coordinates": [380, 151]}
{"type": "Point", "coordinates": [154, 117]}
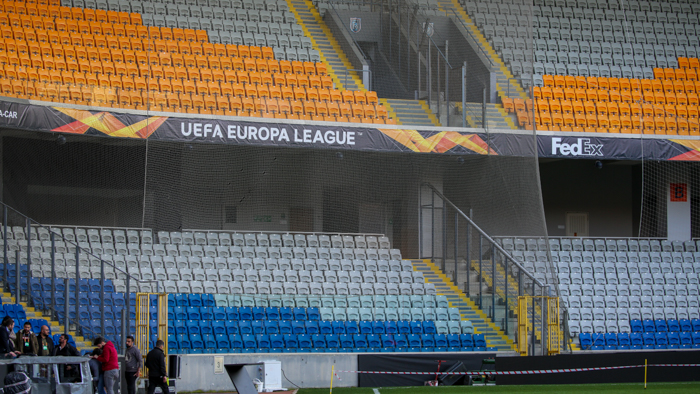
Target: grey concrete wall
{"type": "Point", "coordinates": [304, 370]}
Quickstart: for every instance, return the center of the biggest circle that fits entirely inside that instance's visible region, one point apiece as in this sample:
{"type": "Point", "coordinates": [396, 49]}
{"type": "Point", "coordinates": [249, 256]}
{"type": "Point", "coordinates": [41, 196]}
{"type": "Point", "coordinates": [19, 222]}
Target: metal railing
{"type": "Point", "coordinates": [26, 252]}
{"type": "Point", "coordinates": [477, 257]}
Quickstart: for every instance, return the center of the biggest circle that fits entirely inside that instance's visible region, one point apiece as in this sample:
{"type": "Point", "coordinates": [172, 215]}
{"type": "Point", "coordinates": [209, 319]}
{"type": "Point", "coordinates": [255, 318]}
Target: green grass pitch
{"type": "Point", "coordinates": [652, 388]}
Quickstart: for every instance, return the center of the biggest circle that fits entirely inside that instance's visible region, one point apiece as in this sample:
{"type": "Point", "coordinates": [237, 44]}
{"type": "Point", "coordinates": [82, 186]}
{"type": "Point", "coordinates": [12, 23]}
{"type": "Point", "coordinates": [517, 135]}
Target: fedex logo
{"type": "Point", "coordinates": [582, 147]}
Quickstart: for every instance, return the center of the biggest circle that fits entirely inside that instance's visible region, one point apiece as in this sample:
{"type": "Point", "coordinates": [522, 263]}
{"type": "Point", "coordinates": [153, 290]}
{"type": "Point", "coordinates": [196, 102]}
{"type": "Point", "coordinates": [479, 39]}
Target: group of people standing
{"type": "Point", "coordinates": [105, 370]}
{"type": "Point", "coordinates": [104, 364]}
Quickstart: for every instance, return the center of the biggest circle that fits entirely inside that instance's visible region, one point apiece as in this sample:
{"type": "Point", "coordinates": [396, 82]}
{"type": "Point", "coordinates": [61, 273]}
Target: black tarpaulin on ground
{"type": "Point", "coordinates": [402, 362]}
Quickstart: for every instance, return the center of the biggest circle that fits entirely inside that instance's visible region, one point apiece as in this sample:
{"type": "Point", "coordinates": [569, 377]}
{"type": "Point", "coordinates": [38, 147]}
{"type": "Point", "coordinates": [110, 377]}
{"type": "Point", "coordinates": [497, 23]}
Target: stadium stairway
{"type": "Point", "coordinates": [487, 273]}
{"type": "Point", "coordinates": [505, 82]}
{"type": "Point", "coordinates": [496, 116]}
{"type": "Point", "coordinates": [469, 311]}
{"type": "Point", "coordinates": [323, 41]}
{"type": "Point", "coordinates": [413, 112]}
{"type": "Point", "coordinates": [55, 327]}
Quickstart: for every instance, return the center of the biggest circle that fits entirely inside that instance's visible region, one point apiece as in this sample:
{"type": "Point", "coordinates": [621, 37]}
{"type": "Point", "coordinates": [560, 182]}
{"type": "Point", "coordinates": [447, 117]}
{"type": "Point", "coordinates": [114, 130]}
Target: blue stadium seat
{"type": "Point", "coordinates": [325, 327]}
{"type": "Point", "coordinates": [276, 341]}
{"type": "Point", "coordinates": [403, 327]}
{"type": "Point", "coordinates": [172, 342]}
{"type": "Point", "coordinates": [685, 325]}
{"type": "Point", "coordinates": [466, 340]}
{"type": "Point", "coordinates": [374, 341]}
{"type": "Point", "coordinates": [299, 313]}
{"type": "Point", "coordinates": [194, 327]}
{"type": "Point", "coordinates": [365, 327]}
{"type": "Point", "coordinates": [623, 339]}
{"type": "Point", "coordinates": [258, 313]}
{"type": "Point", "coordinates": [429, 327]}
{"type": "Point", "coordinates": [637, 339]}
{"type": "Point", "coordinates": [219, 313]}
{"type": "Point", "coordinates": [673, 325]}
{"type": "Point", "coordinates": [346, 341]}
{"type": "Point", "coordinates": [453, 341]}
{"type": "Point", "coordinates": [649, 325]}
{"type": "Point", "coordinates": [208, 300]}
{"type": "Point", "coordinates": [298, 327]}
{"type": "Point", "coordinates": [236, 341]}
{"type": "Point", "coordinates": [332, 341]}
{"type": "Point", "coordinates": [291, 341]}
{"type": "Point", "coordinates": [440, 340]}
{"type": "Point", "coordinates": [390, 327]}
{"type": "Point", "coordinates": [378, 327]}
{"type": "Point", "coordinates": [222, 341]}
{"type": "Point", "coordinates": [232, 313]}
{"type": "Point", "coordinates": [338, 327]}
{"type": "Point", "coordinates": [661, 338]}
{"type": "Point", "coordinates": [245, 313]}
{"type": "Point", "coordinates": [232, 327]}
{"type": "Point", "coordinates": [585, 340]}
{"type": "Point", "coordinates": [597, 347]}
{"type": "Point", "coordinates": [195, 300]}
{"type": "Point", "coordinates": [674, 338]}
{"type": "Point", "coordinates": [182, 300]}
{"type": "Point", "coordinates": [258, 327]}
{"type": "Point", "coordinates": [245, 327]}
{"type": "Point", "coordinates": [388, 341]}
{"type": "Point", "coordinates": [428, 340]}
{"type": "Point", "coordinates": [696, 324]}
{"type": "Point", "coordinates": [193, 313]}
{"type": "Point", "coordinates": [218, 327]}
{"type": "Point", "coordinates": [319, 341]}
{"type": "Point", "coordinates": [360, 341]}
{"type": "Point", "coordinates": [272, 313]}
{"type": "Point", "coordinates": [311, 327]}
{"type": "Point", "coordinates": [263, 341]}
{"type": "Point", "coordinates": [648, 338]}
{"type": "Point", "coordinates": [351, 327]}
{"type": "Point", "coordinates": [272, 327]}
{"type": "Point", "coordinates": [209, 341]}
{"type": "Point", "coordinates": [661, 325]}
{"type": "Point", "coordinates": [414, 340]}
{"type": "Point", "coordinates": [305, 341]}
{"type": "Point", "coordinates": [184, 341]}
{"type": "Point", "coordinates": [313, 314]}
{"type": "Point", "coordinates": [196, 341]}
{"type": "Point", "coordinates": [479, 340]}
{"type": "Point", "coordinates": [206, 312]}
{"type": "Point", "coordinates": [249, 341]}
{"type": "Point", "coordinates": [686, 338]}
{"type": "Point", "coordinates": [611, 339]}
{"type": "Point", "coordinates": [286, 313]}
{"type": "Point", "coordinates": [285, 327]}
{"type": "Point", "coordinates": [416, 327]}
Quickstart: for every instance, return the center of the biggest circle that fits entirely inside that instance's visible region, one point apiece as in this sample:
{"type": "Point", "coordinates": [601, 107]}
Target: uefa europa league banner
{"type": "Point", "coordinates": [20, 115]}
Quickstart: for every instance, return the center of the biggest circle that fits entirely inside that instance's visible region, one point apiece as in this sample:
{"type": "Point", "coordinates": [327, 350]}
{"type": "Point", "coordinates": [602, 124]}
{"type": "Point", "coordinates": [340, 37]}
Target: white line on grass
{"type": "Point", "coordinates": [375, 391]}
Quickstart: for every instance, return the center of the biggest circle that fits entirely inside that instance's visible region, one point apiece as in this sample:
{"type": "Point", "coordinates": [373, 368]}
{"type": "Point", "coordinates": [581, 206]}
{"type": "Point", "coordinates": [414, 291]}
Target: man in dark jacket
{"type": "Point", "coordinates": [7, 348]}
{"type": "Point", "coordinates": [157, 375]}
{"type": "Point", "coordinates": [67, 350]}
{"type": "Point", "coordinates": [45, 342]}
{"type": "Point", "coordinates": [26, 340]}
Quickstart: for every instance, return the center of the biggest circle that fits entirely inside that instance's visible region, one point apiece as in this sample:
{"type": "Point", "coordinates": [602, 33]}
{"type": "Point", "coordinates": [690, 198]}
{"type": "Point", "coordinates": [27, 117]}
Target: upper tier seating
{"type": "Point", "coordinates": [119, 59]}
{"type": "Point", "coordinates": [666, 104]}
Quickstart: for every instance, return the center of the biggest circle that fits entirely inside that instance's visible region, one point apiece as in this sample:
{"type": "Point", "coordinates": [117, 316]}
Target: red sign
{"type": "Point", "coordinates": [679, 192]}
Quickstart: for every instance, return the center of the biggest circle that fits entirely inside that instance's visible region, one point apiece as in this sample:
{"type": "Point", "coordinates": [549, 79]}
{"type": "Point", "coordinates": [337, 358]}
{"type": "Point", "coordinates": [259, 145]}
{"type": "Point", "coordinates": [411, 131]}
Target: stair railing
{"type": "Point", "coordinates": [23, 258]}
{"type": "Point", "coordinates": [475, 255]}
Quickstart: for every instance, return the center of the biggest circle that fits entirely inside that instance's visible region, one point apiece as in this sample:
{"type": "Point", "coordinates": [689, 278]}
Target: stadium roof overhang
{"type": "Point", "coordinates": [181, 127]}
